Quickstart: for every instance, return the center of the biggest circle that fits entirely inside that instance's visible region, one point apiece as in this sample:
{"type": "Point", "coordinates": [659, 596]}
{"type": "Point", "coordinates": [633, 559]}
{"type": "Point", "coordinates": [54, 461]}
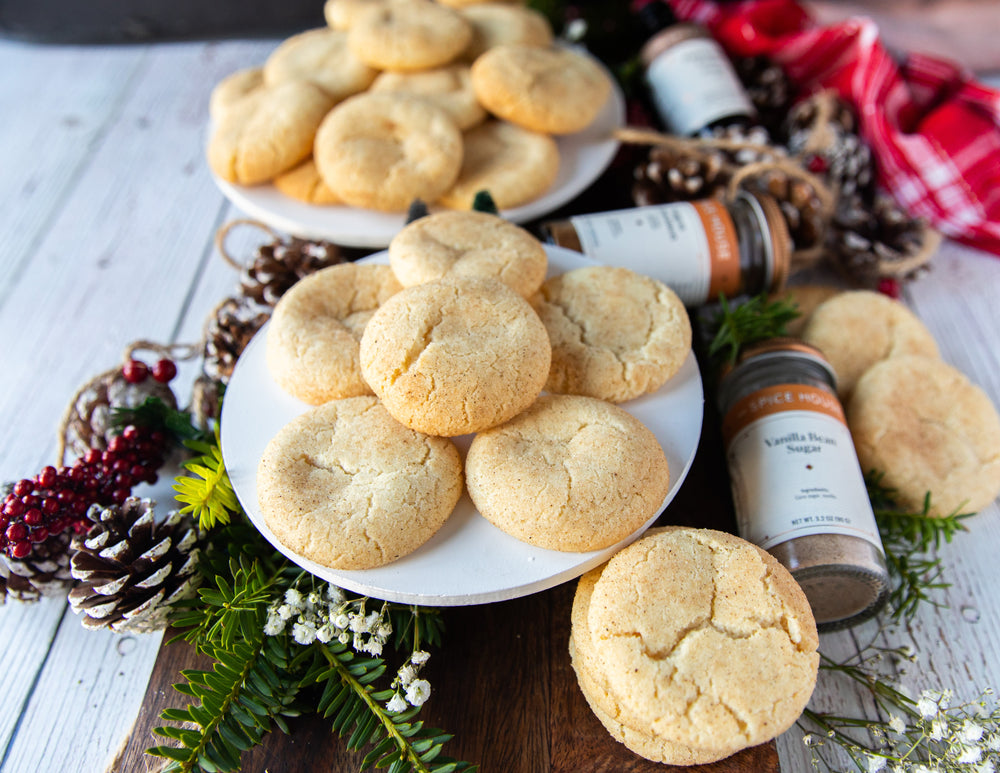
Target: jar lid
{"type": "Point", "coordinates": [778, 241]}
{"type": "Point", "coordinates": [785, 346]}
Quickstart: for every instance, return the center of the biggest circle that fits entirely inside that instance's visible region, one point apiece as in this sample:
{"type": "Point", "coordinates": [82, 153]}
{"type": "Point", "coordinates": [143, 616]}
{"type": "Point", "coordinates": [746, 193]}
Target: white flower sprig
{"type": "Point", "coordinates": [328, 615]}
{"type": "Point", "coordinates": [930, 734]}
{"type": "Point", "coordinates": [410, 690]}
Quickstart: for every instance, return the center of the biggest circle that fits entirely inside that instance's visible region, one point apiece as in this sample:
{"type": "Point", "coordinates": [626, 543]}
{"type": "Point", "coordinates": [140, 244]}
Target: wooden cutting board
{"type": "Point", "coordinates": [502, 681]}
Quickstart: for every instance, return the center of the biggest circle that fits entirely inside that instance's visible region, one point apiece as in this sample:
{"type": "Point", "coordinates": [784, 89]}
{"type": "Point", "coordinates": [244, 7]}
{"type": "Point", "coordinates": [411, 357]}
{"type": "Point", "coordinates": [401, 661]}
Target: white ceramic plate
{"type": "Point", "coordinates": [469, 561]}
{"type": "Point", "coordinates": [582, 159]}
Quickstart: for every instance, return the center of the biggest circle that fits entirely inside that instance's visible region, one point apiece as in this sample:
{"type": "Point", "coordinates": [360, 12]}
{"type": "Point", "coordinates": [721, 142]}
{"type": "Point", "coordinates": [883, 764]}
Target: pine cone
{"type": "Point", "coordinates": [822, 132]}
{"type": "Point", "coordinates": [670, 175]}
{"type": "Point", "coordinates": [87, 422]}
{"type": "Point", "coordinates": [800, 204]}
{"type": "Point", "coordinates": [44, 572]}
{"type": "Point", "coordinates": [130, 567]}
{"type": "Point", "coordinates": [768, 87]}
{"type": "Point", "coordinates": [278, 265]}
{"type": "Point", "coordinates": [230, 327]}
{"type": "Point", "coordinates": [871, 242]}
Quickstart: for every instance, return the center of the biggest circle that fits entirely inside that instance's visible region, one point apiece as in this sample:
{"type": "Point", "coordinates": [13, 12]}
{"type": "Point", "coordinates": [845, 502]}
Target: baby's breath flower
{"type": "Point", "coordinates": [286, 612]}
{"type": "Point", "coordinates": [986, 767]}
{"type": "Point", "coordinates": [313, 599]}
{"type": "Point", "coordinates": [927, 706]}
{"type": "Point", "coordinates": [372, 647]}
{"type": "Point", "coordinates": [896, 724]}
{"type": "Point", "coordinates": [396, 703]}
{"type": "Point", "coordinates": [970, 754]}
{"type": "Point", "coordinates": [384, 630]}
{"type": "Point", "coordinates": [406, 674]}
{"type": "Point", "coordinates": [357, 623]}
{"type": "Point", "coordinates": [993, 742]}
{"type": "Point", "coordinates": [419, 657]}
{"type": "Point", "coordinates": [325, 633]}
{"type": "Point", "coordinates": [294, 599]}
{"type": "Point", "coordinates": [970, 732]}
{"type": "Point", "coordinates": [304, 633]}
{"type": "Point", "coordinates": [274, 625]}
{"type": "Point", "coordinates": [344, 637]}
{"type": "Point", "coordinates": [335, 595]}
{"type": "Point", "coordinates": [418, 691]}
{"type": "Point", "coordinates": [937, 730]}
{"type": "Point", "coordinates": [875, 763]}
{"type": "Point", "coordinates": [341, 621]}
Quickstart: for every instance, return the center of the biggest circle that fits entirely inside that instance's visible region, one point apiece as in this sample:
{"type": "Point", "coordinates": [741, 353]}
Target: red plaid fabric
{"type": "Point", "coordinates": [934, 130]}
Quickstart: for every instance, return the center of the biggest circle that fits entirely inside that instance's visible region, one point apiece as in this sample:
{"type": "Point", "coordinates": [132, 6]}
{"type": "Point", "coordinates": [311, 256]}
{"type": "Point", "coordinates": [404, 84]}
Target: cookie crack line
{"type": "Point", "coordinates": [316, 464]}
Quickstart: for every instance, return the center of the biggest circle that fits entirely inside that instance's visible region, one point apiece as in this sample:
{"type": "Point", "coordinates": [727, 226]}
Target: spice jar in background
{"type": "Point", "coordinates": [699, 249]}
{"type": "Point", "coordinates": [691, 81]}
{"type": "Point", "coordinates": [798, 488]}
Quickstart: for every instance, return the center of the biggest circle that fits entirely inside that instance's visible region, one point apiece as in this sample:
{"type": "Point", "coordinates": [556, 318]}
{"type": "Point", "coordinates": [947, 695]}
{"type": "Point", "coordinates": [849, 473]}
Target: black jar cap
{"type": "Point", "coordinates": [656, 15]}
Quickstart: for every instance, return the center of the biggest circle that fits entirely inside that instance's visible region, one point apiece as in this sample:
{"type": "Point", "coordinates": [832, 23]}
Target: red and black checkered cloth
{"type": "Point", "coordinates": [934, 130]}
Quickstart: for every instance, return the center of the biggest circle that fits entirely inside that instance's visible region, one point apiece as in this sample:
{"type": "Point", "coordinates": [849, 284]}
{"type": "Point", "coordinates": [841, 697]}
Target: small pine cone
{"type": "Point", "coordinates": [768, 86]}
{"type": "Point", "coordinates": [206, 401]}
{"type": "Point", "coordinates": [130, 568]}
{"type": "Point", "coordinates": [87, 423]}
{"type": "Point", "coordinates": [278, 265]}
{"type": "Point", "coordinates": [800, 204]}
{"type": "Point", "coordinates": [44, 572]}
{"type": "Point", "coordinates": [230, 327]}
{"type": "Point", "coordinates": [869, 242]}
{"type": "Point", "coordinates": [668, 174]}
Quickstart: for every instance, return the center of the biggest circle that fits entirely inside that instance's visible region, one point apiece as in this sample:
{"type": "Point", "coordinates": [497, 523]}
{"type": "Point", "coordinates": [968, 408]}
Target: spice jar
{"type": "Point", "coordinates": [690, 79]}
{"type": "Point", "coordinates": [700, 249]}
{"type": "Point", "coordinates": [798, 489]}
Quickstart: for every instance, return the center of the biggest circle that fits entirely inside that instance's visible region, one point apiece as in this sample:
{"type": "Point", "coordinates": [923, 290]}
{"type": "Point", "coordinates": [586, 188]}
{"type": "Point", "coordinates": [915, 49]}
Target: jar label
{"type": "Point", "coordinates": [793, 467]}
{"type": "Point", "coordinates": [693, 84]}
{"type": "Point", "coordinates": [689, 246]}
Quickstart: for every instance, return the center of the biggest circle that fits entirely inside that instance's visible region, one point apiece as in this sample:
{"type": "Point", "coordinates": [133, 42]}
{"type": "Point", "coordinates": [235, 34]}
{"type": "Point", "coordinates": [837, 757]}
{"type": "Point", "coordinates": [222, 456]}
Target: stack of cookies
{"type": "Point", "coordinates": [914, 418]}
{"type": "Point", "coordinates": [692, 644]}
{"type": "Point", "coordinates": [398, 100]}
{"type": "Point", "coordinates": [459, 336]}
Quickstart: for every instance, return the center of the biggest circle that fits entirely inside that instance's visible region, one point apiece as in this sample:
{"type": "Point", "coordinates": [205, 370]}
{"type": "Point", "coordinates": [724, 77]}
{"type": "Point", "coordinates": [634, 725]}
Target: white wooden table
{"type": "Point", "coordinates": [107, 220]}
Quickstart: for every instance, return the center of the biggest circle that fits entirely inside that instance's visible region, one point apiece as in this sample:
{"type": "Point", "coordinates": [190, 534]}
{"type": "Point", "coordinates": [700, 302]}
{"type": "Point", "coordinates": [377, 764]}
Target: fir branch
{"type": "Point", "coordinates": [208, 493]}
{"type": "Point", "coordinates": [157, 415]}
{"type": "Point", "coordinates": [356, 708]}
{"type": "Point", "coordinates": [734, 327]}
{"type": "Point", "coordinates": [910, 541]}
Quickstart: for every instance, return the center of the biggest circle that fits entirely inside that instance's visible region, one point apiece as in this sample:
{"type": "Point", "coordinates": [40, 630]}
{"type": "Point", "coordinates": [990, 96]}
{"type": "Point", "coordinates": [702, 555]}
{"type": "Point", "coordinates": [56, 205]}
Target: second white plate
{"type": "Point", "coordinates": [469, 561]}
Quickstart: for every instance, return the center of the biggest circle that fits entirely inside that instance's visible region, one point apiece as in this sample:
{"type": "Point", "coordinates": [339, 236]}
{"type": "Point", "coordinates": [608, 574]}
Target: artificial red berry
{"type": "Point", "coordinates": [50, 505]}
{"type": "Point", "coordinates": [33, 517]}
{"type": "Point", "coordinates": [40, 534]}
{"type": "Point", "coordinates": [164, 371]}
{"type": "Point", "coordinates": [14, 508]}
{"type": "Point", "coordinates": [135, 371]}
{"type": "Point", "coordinates": [817, 164]}
{"type": "Point", "coordinates": [93, 456]}
{"type": "Point", "coordinates": [889, 286]}
{"type": "Point", "coordinates": [16, 532]}
{"type": "Point", "coordinates": [20, 549]}
{"type": "Point", "coordinates": [24, 487]}
{"type": "Point", "coordinates": [47, 477]}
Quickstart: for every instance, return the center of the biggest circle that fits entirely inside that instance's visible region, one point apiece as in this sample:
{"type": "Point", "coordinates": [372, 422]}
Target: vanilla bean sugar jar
{"type": "Point", "coordinates": [797, 485]}
{"type": "Point", "coordinates": [699, 249]}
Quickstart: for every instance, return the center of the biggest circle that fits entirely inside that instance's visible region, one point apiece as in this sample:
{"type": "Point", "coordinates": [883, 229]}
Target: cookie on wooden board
{"type": "Point", "coordinates": [592, 473]}
{"type": "Point", "coordinates": [704, 638]}
{"type": "Point", "coordinates": [545, 89]}
{"type": "Point", "coordinates": [456, 355]}
{"type": "Point", "coordinates": [468, 244]}
{"type": "Point", "coordinates": [347, 504]}
{"type": "Point", "coordinates": [313, 336]}
{"type": "Point", "coordinates": [927, 428]}
{"type": "Point", "coordinates": [615, 334]}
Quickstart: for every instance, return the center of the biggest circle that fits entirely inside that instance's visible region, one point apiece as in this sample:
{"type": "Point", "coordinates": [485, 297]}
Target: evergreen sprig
{"type": "Point", "coordinates": [207, 493]}
{"type": "Point", "coordinates": [736, 326]}
{"type": "Point", "coordinates": [911, 541]}
{"type": "Point", "coordinates": [156, 414]}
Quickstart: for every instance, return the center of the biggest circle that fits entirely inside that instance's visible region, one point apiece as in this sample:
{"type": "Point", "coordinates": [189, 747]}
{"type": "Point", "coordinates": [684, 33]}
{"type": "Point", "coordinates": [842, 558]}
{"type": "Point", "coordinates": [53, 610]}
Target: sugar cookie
{"type": "Point", "coordinates": [454, 356]}
{"type": "Point", "coordinates": [927, 428]}
{"type": "Point", "coordinates": [448, 87]}
{"type": "Point", "coordinates": [592, 472]}
{"type": "Point", "coordinates": [552, 90]}
{"type": "Point", "coordinates": [321, 57]}
{"type": "Point", "coordinates": [856, 329]}
{"type": "Point", "coordinates": [341, 14]}
{"type": "Point", "coordinates": [615, 334]}
{"type": "Point", "coordinates": [312, 339]}
{"type": "Point", "coordinates": [495, 24]}
{"type": "Point", "coordinates": [232, 89]}
{"type": "Point", "coordinates": [349, 487]}
{"type": "Point", "coordinates": [513, 164]}
{"type": "Point", "coordinates": [382, 151]}
{"type": "Point", "coordinates": [468, 244]}
{"type": "Point", "coordinates": [304, 184]}
{"type": "Point", "coordinates": [408, 35]}
{"type": "Point", "coordinates": [704, 638]}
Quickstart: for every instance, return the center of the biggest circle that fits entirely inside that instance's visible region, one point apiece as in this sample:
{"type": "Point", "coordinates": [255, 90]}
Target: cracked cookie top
{"type": "Point", "coordinates": [592, 472]}
{"type": "Point", "coordinates": [347, 504]}
{"type": "Point", "coordinates": [705, 639]}
{"type": "Point", "coordinates": [615, 334]}
{"type": "Point", "coordinates": [455, 356]}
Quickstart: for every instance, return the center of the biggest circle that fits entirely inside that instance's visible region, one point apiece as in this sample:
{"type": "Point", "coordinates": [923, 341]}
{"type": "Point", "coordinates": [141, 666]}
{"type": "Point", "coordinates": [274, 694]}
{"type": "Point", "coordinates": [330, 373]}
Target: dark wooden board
{"type": "Point", "coordinates": [502, 681]}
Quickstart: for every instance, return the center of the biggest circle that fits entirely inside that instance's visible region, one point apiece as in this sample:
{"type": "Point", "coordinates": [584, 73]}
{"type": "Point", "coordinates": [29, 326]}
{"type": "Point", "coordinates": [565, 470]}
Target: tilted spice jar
{"type": "Point", "coordinates": [798, 489]}
{"type": "Point", "coordinates": [699, 249]}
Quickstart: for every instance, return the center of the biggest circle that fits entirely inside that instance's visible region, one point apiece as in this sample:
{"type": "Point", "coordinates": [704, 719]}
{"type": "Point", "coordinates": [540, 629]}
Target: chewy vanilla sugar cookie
{"type": "Point", "coordinates": [408, 35]}
{"type": "Point", "coordinates": [349, 487]}
{"type": "Point", "coordinates": [569, 473]}
{"type": "Point", "coordinates": [514, 164]}
{"type": "Point", "coordinates": [312, 338]}
{"type": "Point", "coordinates": [304, 183]}
{"type": "Point", "coordinates": [381, 151]}
{"type": "Point", "coordinates": [267, 132]}
{"type": "Point", "coordinates": [496, 24]}
{"type": "Point", "coordinates": [454, 356]}
{"type": "Point", "coordinates": [448, 87]}
{"type": "Point", "coordinates": [704, 638]}
{"type": "Point", "coordinates": [551, 90]}
{"type": "Point", "coordinates": [321, 57]}
{"type": "Point", "coordinates": [615, 334]}
{"type": "Point", "coordinates": [927, 428]}
{"type": "Point", "coordinates": [468, 244]}
{"type": "Point", "coordinates": [858, 328]}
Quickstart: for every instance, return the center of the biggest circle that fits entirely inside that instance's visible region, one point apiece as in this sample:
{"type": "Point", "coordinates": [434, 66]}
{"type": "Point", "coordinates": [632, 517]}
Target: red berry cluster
{"type": "Point", "coordinates": [136, 371]}
{"type": "Point", "coordinates": [56, 500]}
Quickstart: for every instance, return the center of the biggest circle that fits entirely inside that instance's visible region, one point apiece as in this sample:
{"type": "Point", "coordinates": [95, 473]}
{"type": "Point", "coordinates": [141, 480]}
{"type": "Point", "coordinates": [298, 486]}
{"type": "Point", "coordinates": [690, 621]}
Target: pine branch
{"type": "Point", "coordinates": [738, 326]}
{"type": "Point", "coordinates": [208, 494]}
{"type": "Point", "coordinates": [358, 709]}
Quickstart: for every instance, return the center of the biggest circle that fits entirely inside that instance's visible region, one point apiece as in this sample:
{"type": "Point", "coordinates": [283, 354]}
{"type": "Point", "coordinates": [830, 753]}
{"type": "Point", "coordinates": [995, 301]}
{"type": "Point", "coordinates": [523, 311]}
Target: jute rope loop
{"type": "Point", "coordinates": [223, 232]}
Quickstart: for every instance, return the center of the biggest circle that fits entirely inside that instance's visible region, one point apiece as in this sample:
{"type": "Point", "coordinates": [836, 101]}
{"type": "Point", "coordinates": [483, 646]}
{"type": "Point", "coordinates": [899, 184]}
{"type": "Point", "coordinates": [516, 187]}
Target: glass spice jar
{"type": "Point", "coordinates": [700, 249]}
{"type": "Point", "coordinates": [797, 485]}
{"type": "Point", "coordinates": [690, 79]}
